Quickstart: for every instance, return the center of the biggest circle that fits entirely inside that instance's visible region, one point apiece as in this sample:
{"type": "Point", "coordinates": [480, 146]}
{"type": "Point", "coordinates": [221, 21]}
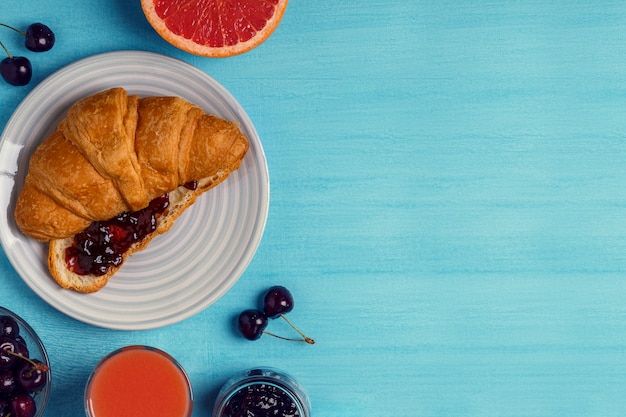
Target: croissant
{"type": "Point", "coordinates": [116, 154]}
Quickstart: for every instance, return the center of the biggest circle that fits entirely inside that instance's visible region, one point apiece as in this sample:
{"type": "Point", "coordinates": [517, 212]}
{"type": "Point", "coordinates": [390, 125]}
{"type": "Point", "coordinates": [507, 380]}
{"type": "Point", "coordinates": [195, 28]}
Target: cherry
{"type": "Point", "coordinates": [7, 349]}
{"type": "Point", "coordinates": [22, 405]}
{"type": "Point", "coordinates": [31, 375]}
{"type": "Point", "coordinates": [39, 37]}
{"type": "Point", "coordinates": [278, 300]}
{"type": "Point", "coordinates": [9, 327]}
{"type": "Point", "coordinates": [15, 70]}
{"type": "Point", "coordinates": [252, 323]}
{"type": "Point", "coordinates": [7, 381]}
{"type": "Point", "coordinates": [20, 348]}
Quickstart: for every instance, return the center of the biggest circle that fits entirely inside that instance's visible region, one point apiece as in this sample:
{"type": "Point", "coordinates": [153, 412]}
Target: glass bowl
{"type": "Point", "coordinates": [36, 350]}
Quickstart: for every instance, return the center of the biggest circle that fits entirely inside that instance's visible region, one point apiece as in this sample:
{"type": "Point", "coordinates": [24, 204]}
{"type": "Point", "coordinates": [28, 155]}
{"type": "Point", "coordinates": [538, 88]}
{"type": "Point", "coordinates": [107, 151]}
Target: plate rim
{"type": "Point", "coordinates": [260, 222]}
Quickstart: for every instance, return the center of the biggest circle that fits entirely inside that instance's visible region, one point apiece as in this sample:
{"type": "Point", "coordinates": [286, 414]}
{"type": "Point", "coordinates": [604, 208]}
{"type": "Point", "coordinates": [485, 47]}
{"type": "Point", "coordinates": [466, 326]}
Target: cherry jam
{"type": "Point", "coordinates": [260, 400]}
{"type": "Point", "coordinates": [102, 245]}
{"type": "Point", "coordinates": [262, 392]}
{"type": "Point", "coordinates": [191, 185]}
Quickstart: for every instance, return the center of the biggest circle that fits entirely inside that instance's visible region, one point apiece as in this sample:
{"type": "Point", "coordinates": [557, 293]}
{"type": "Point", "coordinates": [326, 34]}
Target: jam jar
{"type": "Point", "coordinates": [261, 392]}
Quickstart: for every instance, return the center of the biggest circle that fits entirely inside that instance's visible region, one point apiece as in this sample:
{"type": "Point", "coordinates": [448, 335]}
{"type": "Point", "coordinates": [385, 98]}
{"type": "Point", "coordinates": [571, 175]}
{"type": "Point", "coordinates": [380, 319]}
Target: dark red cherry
{"type": "Point", "coordinates": [16, 70]}
{"type": "Point", "coordinates": [252, 323]}
{"type": "Point", "coordinates": [8, 382]}
{"type": "Point", "coordinates": [22, 405]}
{"type": "Point", "coordinates": [39, 38]}
{"type": "Point", "coordinates": [7, 348]}
{"type": "Point", "coordinates": [9, 327]}
{"type": "Point", "coordinates": [31, 376]}
{"type": "Point", "coordinates": [278, 300]}
{"type": "Point", "coordinates": [21, 348]}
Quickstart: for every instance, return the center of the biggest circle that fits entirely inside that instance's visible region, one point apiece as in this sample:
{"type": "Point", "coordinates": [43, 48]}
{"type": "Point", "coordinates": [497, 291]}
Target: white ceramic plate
{"type": "Point", "coordinates": [181, 272]}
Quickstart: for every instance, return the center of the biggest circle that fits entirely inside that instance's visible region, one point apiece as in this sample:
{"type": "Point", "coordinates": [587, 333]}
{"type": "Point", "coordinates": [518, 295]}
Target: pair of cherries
{"type": "Point", "coordinates": [277, 301]}
{"type": "Point", "coordinates": [17, 70]}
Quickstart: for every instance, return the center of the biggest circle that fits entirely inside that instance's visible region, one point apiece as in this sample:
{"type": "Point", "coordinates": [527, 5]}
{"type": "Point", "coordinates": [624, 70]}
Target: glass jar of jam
{"type": "Point", "coordinates": [261, 392]}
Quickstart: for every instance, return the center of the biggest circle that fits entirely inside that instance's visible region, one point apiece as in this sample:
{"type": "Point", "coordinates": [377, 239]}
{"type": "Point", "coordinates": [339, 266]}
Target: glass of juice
{"type": "Point", "coordinates": [138, 381]}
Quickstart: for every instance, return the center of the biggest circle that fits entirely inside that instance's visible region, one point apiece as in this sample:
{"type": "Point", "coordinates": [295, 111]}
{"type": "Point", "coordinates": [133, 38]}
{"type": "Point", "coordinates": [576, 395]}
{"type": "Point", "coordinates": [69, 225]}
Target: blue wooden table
{"type": "Point", "coordinates": [448, 206]}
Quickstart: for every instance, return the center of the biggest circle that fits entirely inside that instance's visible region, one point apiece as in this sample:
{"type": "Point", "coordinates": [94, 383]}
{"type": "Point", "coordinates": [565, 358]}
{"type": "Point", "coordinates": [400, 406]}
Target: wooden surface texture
{"type": "Point", "coordinates": [448, 199]}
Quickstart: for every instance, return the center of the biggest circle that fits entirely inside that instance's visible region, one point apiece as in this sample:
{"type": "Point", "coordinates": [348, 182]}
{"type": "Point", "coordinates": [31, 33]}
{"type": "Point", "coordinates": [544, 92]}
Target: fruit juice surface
{"type": "Point", "coordinates": [139, 382]}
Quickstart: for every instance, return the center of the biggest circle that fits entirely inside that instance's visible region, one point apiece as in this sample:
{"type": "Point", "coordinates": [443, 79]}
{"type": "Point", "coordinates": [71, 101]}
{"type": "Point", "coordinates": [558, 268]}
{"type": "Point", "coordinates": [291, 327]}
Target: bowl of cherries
{"type": "Point", "coordinates": [24, 368]}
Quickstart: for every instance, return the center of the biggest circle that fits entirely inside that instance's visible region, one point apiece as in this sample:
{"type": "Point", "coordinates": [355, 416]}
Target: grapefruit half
{"type": "Point", "coordinates": [214, 28]}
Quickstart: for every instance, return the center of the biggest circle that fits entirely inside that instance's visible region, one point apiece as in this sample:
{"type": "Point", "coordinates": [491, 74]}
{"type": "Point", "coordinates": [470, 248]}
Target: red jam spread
{"type": "Point", "coordinates": [101, 245]}
{"type": "Point", "coordinates": [191, 185]}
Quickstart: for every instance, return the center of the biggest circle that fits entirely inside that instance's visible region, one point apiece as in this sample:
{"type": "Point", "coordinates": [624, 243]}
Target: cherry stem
{"type": "Point", "coordinates": [6, 50]}
{"type": "Point", "coordinates": [36, 366]}
{"type": "Point", "coordinates": [306, 339]}
{"type": "Point", "coordinates": [12, 28]}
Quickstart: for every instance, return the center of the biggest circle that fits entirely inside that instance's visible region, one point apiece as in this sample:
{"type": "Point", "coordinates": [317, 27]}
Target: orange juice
{"type": "Point", "coordinates": [138, 381]}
